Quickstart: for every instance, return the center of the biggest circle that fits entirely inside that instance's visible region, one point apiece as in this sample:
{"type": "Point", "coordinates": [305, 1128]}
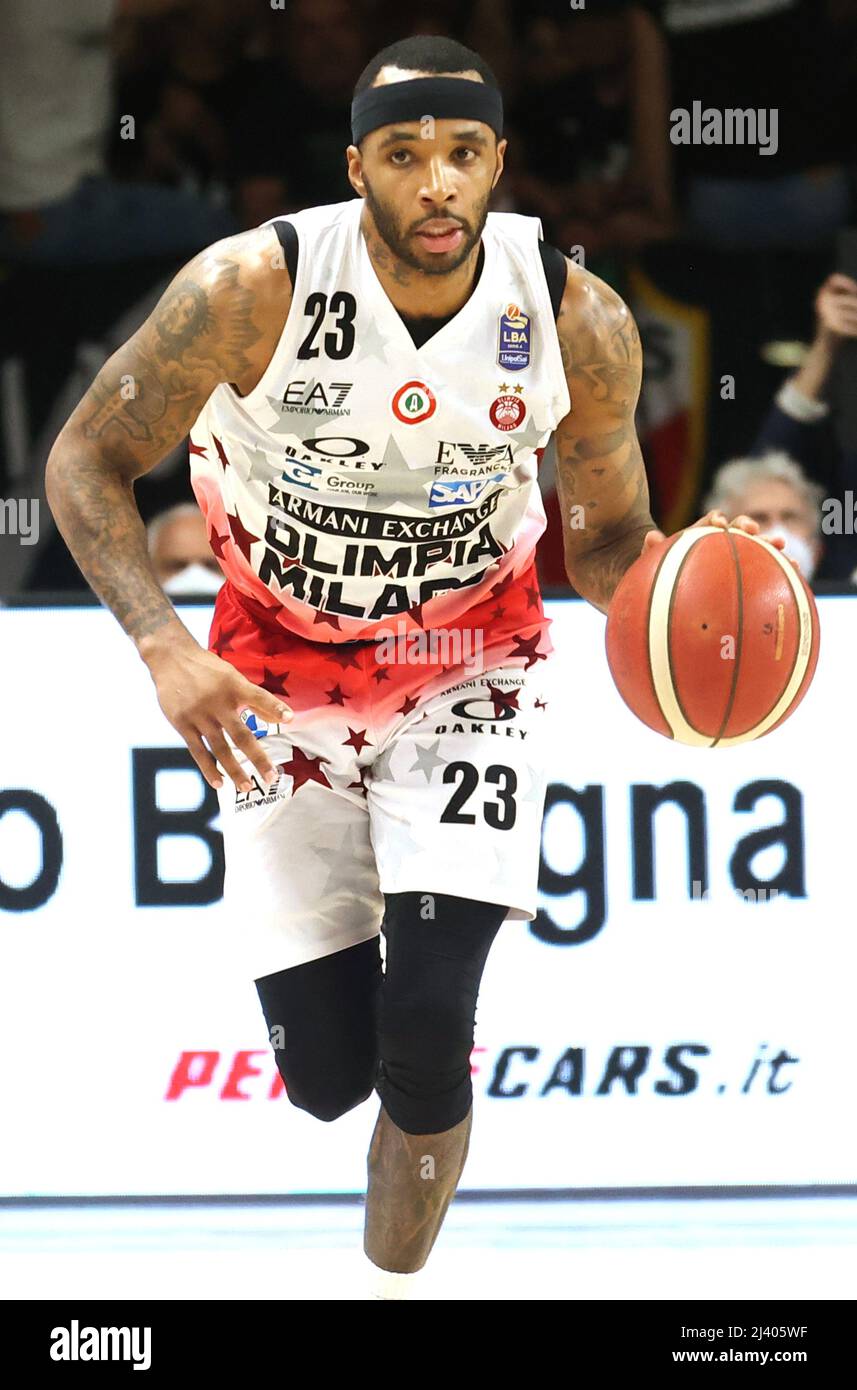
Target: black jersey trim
{"type": "Point", "coordinates": [288, 235]}
{"type": "Point", "coordinates": [553, 264]}
{"type": "Point", "coordinates": [555, 268]}
{"type": "Point", "coordinates": [422, 328]}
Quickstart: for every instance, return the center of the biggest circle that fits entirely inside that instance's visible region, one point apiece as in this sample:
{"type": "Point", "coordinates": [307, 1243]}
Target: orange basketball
{"type": "Point", "coordinates": [712, 637]}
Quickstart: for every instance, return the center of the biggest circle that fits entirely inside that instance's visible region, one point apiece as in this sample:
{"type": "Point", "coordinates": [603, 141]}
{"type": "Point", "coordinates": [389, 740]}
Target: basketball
{"type": "Point", "coordinates": [712, 637]}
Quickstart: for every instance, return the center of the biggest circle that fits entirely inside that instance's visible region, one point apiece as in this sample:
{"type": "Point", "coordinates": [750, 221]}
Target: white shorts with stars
{"type": "Point", "coordinates": [440, 790]}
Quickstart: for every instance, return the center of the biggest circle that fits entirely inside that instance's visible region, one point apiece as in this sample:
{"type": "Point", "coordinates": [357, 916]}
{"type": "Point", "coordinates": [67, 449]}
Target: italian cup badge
{"type": "Point", "coordinates": [413, 403]}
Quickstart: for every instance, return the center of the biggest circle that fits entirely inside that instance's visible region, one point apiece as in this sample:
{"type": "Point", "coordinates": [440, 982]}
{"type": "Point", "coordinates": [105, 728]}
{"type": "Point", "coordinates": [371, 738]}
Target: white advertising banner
{"type": "Point", "coordinates": [679, 1015]}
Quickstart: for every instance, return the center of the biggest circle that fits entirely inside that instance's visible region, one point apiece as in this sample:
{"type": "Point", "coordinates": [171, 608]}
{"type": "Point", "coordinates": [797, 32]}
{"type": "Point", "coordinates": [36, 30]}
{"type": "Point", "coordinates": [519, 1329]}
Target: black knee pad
{"type": "Point", "coordinates": [434, 968]}
{"type": "Point", "coordinates": [424, 1071]}
{"type": "Point", "coordinates": [322, 1020]}
{"type": "Point", "coordinates": [328, 1101]}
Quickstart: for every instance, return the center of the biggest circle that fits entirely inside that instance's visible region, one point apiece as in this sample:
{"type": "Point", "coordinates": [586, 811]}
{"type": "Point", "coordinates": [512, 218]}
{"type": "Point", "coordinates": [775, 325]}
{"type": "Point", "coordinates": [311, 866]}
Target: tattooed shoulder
{"type": "Point", "coordinates": [231, 298]}
{"type": "Point", "coordinates": [217, 321]}
{"type": "Point", "coordinates": [595, 327]}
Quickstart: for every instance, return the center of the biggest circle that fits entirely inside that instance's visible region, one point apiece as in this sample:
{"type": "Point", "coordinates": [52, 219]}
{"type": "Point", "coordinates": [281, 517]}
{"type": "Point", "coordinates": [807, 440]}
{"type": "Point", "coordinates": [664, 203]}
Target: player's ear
{"type": "Point", "coordinates": [354, 161]}
{"type": "Point", "coordinates": [501, 150]}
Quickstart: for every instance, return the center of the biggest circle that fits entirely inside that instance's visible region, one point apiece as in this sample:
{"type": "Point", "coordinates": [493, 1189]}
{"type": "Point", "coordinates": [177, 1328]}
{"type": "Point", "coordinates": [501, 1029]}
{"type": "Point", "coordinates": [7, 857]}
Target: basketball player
{"type": "Point", "coordinates": [367, 389]}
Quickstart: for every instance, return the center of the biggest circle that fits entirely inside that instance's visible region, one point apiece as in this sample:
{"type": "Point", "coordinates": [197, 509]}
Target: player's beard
{"type": "Point", "coordinates": [398, 241]}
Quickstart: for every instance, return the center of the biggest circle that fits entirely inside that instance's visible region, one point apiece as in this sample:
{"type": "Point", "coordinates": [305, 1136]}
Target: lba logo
{"type": "Point", "coordinates": [513, 347]}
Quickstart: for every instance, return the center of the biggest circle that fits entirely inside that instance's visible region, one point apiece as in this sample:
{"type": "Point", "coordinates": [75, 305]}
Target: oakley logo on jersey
{"type": "Point", "coordinates": [332, 446]}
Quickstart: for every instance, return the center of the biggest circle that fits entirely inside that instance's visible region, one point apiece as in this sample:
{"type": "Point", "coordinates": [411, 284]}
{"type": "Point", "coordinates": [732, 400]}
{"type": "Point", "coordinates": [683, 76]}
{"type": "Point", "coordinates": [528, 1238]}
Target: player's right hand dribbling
{"type": "Point", "coordinates": [202, 696]}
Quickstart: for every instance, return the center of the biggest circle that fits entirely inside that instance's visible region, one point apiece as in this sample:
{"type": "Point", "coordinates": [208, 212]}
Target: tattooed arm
{"type": "Point", "coordinates": [210, 326]}
{"type": "Point", "coordinates": [601, 480]}
{"type": "Point", "coordinates": [218, 321]}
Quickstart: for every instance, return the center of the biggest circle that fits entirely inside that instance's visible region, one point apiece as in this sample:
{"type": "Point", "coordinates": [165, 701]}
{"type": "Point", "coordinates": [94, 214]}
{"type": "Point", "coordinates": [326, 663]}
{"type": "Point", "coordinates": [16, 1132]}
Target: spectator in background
{"type": "Point", "coordinates": [289, 140]}
{"type": "Point", "coordinates": [57, 203]}
{"type": "Point", "coordinates": [589, 149]}
{"type": "Point", "coordinates": [796, 459]}
{"type": "Point", "coordinates": [181, 556]}
{"type": "Point", "coordinates": [772, 55]}
{"type": "Point", "coordinates": [801, 422]}
{"type": "Point", "coordinates": [184, 75]}
{"type": "Point", "coordinates": [774, 491]}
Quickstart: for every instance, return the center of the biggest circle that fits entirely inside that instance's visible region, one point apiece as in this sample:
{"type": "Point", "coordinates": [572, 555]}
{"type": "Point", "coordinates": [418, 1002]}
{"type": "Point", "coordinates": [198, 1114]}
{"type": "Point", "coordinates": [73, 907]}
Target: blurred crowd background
{"type": "Point", "coordinates": [135, 132]}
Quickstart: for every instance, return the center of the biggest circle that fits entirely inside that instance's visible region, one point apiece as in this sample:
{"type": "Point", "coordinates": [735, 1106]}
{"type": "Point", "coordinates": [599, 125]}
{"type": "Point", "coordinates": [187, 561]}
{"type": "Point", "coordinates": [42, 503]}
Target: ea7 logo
{"type": "Point", "coordinates": [315, 395]}
{"type": "Point", "coordinates": [462, 491]}
{"type": "Point", "coordinates": [76, 1343]}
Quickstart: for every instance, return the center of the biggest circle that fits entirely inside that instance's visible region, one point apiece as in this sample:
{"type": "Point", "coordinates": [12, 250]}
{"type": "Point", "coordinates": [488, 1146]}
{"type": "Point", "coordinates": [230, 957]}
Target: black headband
{"type": "Point", "coordinates": [439, 97]}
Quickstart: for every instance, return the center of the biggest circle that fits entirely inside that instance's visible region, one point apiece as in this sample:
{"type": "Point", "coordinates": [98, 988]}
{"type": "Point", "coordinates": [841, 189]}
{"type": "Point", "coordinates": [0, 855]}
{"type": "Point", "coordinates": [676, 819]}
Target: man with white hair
{"type": "Point", "coordinates": [797, 444]}
{"type": "Point", "coordinates": [775, 491]}
{"type": "Point", "coordinates": [181, 556]}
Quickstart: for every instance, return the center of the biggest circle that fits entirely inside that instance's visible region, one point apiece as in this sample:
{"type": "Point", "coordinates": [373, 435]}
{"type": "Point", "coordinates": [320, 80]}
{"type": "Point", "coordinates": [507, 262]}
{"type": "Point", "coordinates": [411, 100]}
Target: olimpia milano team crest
{"type": "Point", "coordinates": [413, 402]}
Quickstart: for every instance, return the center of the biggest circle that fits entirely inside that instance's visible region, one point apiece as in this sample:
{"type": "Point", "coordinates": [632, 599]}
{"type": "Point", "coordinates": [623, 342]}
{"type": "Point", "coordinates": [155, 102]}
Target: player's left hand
{"type": "Point", "coordinates": [717, 518]}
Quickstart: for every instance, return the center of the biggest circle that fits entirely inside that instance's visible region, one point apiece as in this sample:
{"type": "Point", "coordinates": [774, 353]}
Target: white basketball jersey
{"type": "Point", "coordinates": [365, 478]}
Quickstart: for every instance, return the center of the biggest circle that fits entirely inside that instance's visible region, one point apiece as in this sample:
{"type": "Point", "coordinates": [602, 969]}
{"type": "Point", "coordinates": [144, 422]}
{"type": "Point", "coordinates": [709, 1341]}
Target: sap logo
{"type": "Point", "coordinates": [301, 474]}
{"type": "Point", "coordinates": [462, 492]}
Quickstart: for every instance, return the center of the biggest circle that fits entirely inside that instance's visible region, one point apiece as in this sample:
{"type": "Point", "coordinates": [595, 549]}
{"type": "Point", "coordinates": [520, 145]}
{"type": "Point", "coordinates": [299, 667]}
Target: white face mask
{"type": "Point", "coordinates": [796, 548]}
{"type": "Point", "coordinates": [194, 579]}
